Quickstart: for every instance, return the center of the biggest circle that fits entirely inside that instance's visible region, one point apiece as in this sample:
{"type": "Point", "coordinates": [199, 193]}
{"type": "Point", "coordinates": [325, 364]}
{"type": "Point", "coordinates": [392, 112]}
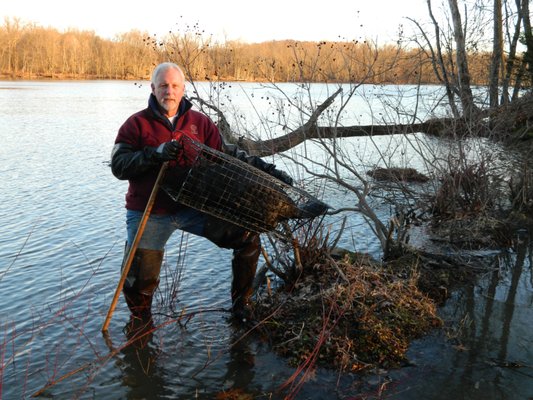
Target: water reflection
{"type": "Point", "coordinates": [509, 305]}
{"type": "Point", "coordinates": [240, 366]}
{"type": "Point", "coordinates": [488, 352]}
{"type": "Point", "coordinates": [139, 363]}
{"type": "Point", "coordinates": [158, 361]}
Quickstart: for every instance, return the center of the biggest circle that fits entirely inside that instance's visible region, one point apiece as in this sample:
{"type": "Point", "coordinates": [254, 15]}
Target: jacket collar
{"type": "Point", "coordinates": [153, 105]}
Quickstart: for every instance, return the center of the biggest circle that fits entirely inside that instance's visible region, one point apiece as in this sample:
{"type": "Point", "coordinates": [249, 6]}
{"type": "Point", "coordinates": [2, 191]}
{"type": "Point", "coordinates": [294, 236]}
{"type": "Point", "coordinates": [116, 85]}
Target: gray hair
{"type": "Point", "coordinates": [163, 67]}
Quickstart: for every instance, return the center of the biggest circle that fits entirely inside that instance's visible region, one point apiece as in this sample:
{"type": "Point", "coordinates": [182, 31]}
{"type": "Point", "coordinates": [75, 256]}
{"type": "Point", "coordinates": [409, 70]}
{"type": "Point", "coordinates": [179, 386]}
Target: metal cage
{"type": "Point", "coordinates": [230, 189]}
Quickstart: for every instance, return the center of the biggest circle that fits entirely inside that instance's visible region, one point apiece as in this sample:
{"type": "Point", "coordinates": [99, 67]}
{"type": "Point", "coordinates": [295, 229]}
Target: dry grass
{"type": "Point", "coordinates": [350, 314]}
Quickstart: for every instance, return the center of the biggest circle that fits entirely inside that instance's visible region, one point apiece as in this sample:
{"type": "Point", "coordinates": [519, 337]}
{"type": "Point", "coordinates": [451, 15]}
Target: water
{"type": "Point", "coordinates": [61, 242]}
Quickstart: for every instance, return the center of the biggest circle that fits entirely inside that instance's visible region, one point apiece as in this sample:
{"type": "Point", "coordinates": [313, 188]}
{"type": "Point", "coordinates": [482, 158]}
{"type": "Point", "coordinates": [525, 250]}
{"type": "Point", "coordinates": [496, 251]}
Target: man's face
{"type": "Point", "coordinates": [168, 89]}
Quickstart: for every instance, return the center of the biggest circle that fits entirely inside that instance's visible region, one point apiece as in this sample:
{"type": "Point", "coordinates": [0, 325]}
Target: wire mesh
{"type": "Point", "coordinates": [230, 189]}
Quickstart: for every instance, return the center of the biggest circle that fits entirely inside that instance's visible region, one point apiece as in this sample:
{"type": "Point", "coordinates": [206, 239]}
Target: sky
{"type": "Point", "coordinates": [244, 20]}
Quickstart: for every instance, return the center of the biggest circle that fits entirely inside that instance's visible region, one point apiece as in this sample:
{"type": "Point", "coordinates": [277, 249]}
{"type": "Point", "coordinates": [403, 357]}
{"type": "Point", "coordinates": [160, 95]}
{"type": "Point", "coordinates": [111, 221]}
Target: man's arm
{"type": "Point", "coordinates": [127, 163]}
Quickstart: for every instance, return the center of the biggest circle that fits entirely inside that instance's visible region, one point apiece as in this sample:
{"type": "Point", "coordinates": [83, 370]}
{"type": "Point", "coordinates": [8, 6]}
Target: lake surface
{"type": "Point", "coordinates": [61, 241]}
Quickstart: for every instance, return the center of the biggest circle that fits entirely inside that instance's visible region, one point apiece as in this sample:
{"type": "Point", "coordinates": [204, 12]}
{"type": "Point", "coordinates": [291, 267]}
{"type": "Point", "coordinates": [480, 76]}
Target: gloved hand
{"type": "Point", "coordinates": [169, 151]}
{"type": "Point", "coordinates": [282, 176]}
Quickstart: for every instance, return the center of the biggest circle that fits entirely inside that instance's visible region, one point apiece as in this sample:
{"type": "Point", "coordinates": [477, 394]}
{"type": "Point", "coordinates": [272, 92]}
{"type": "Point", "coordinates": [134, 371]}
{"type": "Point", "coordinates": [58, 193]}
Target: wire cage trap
{"type": "Point", "coordinates": [230, 189]}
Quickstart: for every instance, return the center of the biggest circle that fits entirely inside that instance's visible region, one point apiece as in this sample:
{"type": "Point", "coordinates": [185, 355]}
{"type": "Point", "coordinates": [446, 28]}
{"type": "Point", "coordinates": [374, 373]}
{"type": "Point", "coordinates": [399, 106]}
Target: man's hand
{"type": "Point", "coordinates": [282, 176]}
{"type": "Point", "coordinates": [169, 151]}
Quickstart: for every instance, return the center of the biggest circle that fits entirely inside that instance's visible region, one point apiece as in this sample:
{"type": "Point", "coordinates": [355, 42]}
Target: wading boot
{"type": "Point", "coordinates": [142, 281]}
{"type": "Point", "coordinates": [244, 265]}
{"type": "Point", "coordinates": [246, 248]}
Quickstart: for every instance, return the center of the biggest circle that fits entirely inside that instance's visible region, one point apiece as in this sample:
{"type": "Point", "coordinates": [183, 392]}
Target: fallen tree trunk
{"type": "Point", "coordinates": [272, 146]}
{"type": "Point", "coordinates": [502, 122]}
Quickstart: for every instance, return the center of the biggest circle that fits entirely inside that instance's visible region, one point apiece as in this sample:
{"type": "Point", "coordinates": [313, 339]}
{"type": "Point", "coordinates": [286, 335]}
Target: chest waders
{"type": "Point", "coordinates": [142, 281]}
{"type": "Point", "coordinates": [246, 248]}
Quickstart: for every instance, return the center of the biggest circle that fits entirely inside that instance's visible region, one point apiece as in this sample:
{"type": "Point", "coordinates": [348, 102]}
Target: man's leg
{"type": "Point", "coordinates": [142, 281]}
{"type": "Point", "coordinates": [143, 276]}
{"type": "Point", "coordinates": [246, 247]}
{"type": "Point", "coordinates": [244, 265]}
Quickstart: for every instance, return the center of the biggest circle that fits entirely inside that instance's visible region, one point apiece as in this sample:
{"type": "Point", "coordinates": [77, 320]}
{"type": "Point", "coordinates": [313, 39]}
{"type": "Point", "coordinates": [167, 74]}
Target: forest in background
{"type": "Point", "coordinates": [29, 51]}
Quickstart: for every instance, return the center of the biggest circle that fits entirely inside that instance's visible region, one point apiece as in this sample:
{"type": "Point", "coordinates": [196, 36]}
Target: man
{"type": "Point", "coordinates": [144, 142]}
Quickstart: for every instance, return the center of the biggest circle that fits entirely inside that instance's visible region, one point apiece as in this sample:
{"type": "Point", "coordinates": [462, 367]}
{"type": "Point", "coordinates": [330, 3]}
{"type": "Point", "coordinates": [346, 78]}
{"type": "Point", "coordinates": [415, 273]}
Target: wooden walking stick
{"type": "Point", "coordinates": [133, 247]}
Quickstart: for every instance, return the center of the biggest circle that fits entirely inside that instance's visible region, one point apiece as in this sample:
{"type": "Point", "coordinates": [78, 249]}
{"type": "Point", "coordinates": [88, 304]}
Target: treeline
{"type": "Point", "coordinates": [29, 51]}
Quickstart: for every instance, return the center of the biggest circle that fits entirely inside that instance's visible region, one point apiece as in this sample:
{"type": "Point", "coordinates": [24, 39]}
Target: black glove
{"type": "Point", "coordinates": [282, 176]}
{"type": "Point", "coordinates": [169, 151]}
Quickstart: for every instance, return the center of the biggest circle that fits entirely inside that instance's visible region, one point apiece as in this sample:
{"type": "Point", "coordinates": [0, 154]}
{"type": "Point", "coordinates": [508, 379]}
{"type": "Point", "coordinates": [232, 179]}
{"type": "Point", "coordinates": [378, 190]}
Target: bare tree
{"type": "Point", "coordinates": [470, 110]}
{"type": "Point", "coordinates": [442, 71]}
{"type": "Point", "coordinates": [528, 38]}
{"type": "Point", "coordinates": [512, 62]}
{"type": "Point", "coordinates": [497, 55]}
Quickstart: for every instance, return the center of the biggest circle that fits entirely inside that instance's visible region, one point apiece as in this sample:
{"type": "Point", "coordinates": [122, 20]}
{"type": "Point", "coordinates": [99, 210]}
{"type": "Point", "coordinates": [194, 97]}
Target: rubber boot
{"type": "Point", "coordinates": [244, 265]}
{"type": "Point", "coordinates": [142, 281]}
{"type": "Point", "coordinates": [246, 247]}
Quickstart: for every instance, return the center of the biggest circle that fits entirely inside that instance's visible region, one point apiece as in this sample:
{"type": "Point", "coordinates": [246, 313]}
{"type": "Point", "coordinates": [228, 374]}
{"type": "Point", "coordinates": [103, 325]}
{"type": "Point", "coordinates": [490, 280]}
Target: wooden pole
{"type": "Point", "coordinates": [135, 244]}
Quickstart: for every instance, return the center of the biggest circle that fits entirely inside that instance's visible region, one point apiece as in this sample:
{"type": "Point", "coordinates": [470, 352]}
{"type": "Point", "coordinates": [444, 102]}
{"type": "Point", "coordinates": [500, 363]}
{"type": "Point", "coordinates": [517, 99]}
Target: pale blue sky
{"type": "Point", "coordinates": [245, 20]}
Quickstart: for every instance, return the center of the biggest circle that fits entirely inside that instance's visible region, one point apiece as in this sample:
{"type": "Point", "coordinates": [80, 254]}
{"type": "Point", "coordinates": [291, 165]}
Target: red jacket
{"type": "Point", "coordinates": [134, 157]}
